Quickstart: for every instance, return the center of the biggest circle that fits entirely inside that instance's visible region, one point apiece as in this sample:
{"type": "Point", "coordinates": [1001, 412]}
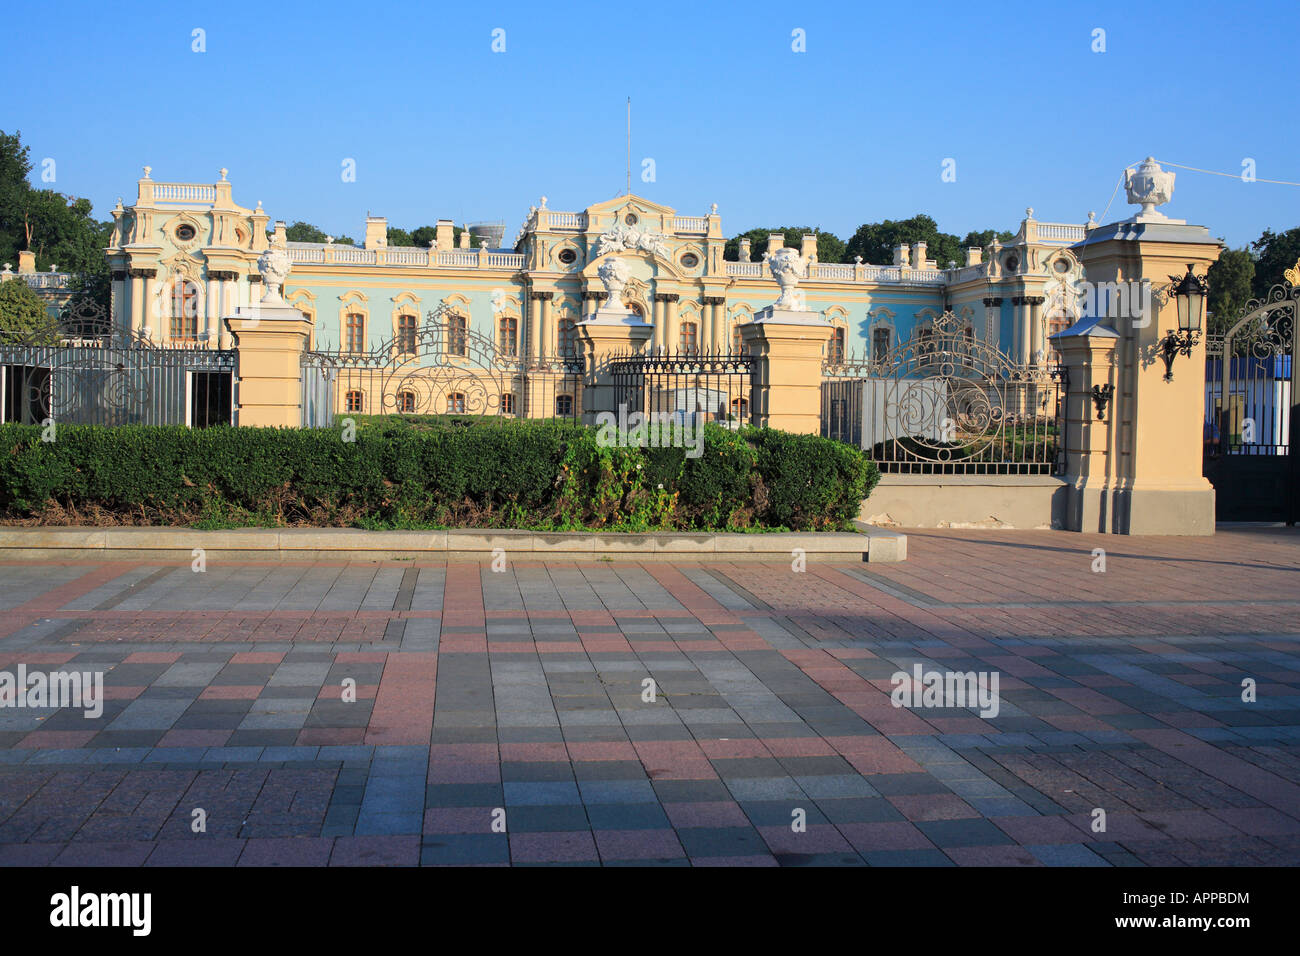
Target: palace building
{"type": "Point", "coordinates": [184, 255]}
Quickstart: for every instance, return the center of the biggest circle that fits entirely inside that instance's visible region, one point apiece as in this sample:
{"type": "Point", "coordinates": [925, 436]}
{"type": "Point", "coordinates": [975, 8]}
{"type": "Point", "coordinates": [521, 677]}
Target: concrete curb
{"type": "Point", "coordinates": [308, 544]}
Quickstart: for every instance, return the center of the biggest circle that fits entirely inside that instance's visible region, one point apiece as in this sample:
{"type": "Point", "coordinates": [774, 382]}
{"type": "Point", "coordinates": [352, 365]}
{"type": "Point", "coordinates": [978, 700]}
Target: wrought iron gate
{"type": "Point", "coordinates": [1250, 410]}
{"type": "Point", "coordinates": [946, 403]}
{"type": "Point", "coordinates": [78, 368]}
{"type": "Point", "coordinates": [686, 388]}
{"type": "Point", "coordinates": [440, 368]}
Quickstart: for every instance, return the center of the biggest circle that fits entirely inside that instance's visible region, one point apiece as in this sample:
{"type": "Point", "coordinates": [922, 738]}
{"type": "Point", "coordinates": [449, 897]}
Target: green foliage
{"type": "Point", "coordinates": [810, 482]}
{"type": "Point", "coordinates": [830, 247]}
{"type": "Point", "coordinates": [1230, 281]}
{"type": "Point", "coordinates": [306, 232]}
{"type": "Point", "coordinates": [984, 237]}
{"type": "Point", "coordinates": [22, 313]}
{"type": "Point", "coordinates": [59, 229]}
{"type": "Point", "coordinates": [421, 473]}
{"type": "Point", "coordinates": [1274, 253]}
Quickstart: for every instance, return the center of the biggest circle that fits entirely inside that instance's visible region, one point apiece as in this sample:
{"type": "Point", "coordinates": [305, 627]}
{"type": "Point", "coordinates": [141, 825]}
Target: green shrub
{"type": "Point", "coordinates": [432, 472]}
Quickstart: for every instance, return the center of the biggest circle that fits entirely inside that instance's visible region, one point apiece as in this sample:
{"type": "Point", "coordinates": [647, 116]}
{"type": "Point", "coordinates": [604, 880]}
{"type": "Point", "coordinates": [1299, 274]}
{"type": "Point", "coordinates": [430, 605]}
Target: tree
{"type": "Point", "coordinates": [830, 247]}
{"type": "Point", "coordinates": [23, 315]}
{"type": "Point", "coordinates": [1230, 281]}
{"type": "Point", "coordinates": [424, 236]}
{"type": "Point", "coordinates": [875, 241]}
{"type": "Point", "coordinates": [14, 169]}
{"type": "Point", "coordinates": [399, 237]}
{"type": "Point", "coordinates": [1274, 254]}
{"type": "Point", "coordinates": [986, 237]}
{"type": "Point", "coordinates": [306, 232]}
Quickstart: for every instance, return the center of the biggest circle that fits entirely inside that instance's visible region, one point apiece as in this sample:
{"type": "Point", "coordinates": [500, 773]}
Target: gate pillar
{"type": "Point", "coordinates": [788, 348]}
{"type": "Point", "coordinates": [270, 341]}
{"type": "Point", "coordinates": [1157, 485]}
{"type": "Point", "coordinates": [606, 334]}
{"type": "Point", "coordinates": [1088, 354]}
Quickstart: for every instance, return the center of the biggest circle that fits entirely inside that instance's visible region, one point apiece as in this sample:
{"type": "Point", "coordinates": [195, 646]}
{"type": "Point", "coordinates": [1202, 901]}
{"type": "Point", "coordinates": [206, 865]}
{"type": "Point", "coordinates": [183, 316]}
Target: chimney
{"type": "Point", "coordinates": [901, 254]}
{"type": "Point", "coordinates": [918, 255]}
{"type": "Point", "coordinates": [744, 249]}
{"type": "Point", "coordinates": [808, 247]}
{"type": "Point", "coordinates": [445, 231]}
{"type": "Point", "coordinates": [974, 256]}
{"type": "Point", "coordinates": [26, 261]}
{"type": "Point", "coordinates": [376, 232]}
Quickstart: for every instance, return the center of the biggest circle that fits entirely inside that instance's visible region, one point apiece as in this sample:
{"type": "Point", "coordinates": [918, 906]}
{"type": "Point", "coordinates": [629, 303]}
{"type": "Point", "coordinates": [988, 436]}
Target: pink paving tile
{"type": "Point", "coordinates": [376, 851]}
{"type": "Point", "coordinates": [458, 820]}
{"type": "Point", "coordinates": [152, 657]}
{"type": "Point", "coordinates": [992, 856]}
{"type": "Point", "coordinates": [57, 739]}
{"type": "Point", "coordinates": [231, 692]}
{"type": "Point", "coordinates": [818, 838]}
{"type": "Point", "coordinates": [638, 844]}
{"type": "Point", "coordinates": [287, 851]}
{"type": "Point", "coordinates": [559, 847]}
{"type": "Point", "coordinates": [534, 751]}
{"type": "Point", "coordinates": [933, 806]}
{"type": "Point", "coordinates": [722, 813]}
{"type": "Point", "coordinates": [891, 835]}
{"type": "Point", "coordinates": [195, 738]}
{"type": "Point", "coordinates": [602, 750]}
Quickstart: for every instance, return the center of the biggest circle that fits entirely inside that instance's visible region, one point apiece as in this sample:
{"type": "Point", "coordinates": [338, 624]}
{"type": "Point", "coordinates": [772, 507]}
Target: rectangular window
{"type": "Point", "coordinates": [356, 332]}
{"type": "Point", "coordinates": [355, 401]}
{"type": "Point", "coordinates": [406, 334]}
{"type": "Point", "coordinates": [879, 345]}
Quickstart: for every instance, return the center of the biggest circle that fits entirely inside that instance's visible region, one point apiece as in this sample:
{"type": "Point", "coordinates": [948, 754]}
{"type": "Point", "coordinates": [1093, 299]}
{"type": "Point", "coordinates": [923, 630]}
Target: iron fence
{"type": "Point", "coordinates": [685, 387]}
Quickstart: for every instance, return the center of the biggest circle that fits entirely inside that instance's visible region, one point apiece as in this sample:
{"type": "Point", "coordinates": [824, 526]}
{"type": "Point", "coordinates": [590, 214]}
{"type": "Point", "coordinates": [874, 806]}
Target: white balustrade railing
{"type": "Point", "coordinates": [829, 270]}
{"type": "Point", "coordinates": [307, 255]}
{"type": "Point", "coordinates": [405, 257]}
{"type": "Point", "coordinates": [184, 192]}
{"type": "Point", "coordinates": [966, 272]}
{"type": "Point", "coordinates": [46, 280]}
{"type": "Point", "coordinates": [505, 260]}
{"type": "Point", "coordinates": [358, 256]}
{"type": "Point", "coordinates": [882, 274]}
{"type": "Point", "coordinates": [691, 224]}
{"type": "Point", "coordinates": [745, 270]}
{"type": "Point", "coordinates": [566, 220]}
{"type": "Point", "coordinates": [1069, 232]}
{"type": "Point", "coordinates": [458, 257]}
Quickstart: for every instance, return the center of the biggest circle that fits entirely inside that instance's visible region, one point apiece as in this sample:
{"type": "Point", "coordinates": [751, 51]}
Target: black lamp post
{"type": "Point", "coordinates": [1189, 295]}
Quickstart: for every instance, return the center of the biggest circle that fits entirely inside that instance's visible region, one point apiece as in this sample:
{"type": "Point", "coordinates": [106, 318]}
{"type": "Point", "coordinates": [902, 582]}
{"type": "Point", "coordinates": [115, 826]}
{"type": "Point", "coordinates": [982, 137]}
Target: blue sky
{"type": "Point", "coordinates": [853, 130]}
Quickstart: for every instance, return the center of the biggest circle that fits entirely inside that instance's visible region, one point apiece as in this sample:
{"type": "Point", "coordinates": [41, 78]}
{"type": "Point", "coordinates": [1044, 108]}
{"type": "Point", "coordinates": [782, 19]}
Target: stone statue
{"type": "Point", "coordinates": [788, 267]}
{"type": "Point", "coordinates": [274, 264]}
{"type": "Point", "coordinates": [622, 238]}
{"type": "Point", "coordinates": [614, 274]}
{"type": "Point", "coordinates": [1148, 186]}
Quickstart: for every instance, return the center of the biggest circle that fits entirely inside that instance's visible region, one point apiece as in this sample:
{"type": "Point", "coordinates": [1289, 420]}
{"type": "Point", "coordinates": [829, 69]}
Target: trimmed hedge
{"type": "Point", "coordinates": [397, 473]}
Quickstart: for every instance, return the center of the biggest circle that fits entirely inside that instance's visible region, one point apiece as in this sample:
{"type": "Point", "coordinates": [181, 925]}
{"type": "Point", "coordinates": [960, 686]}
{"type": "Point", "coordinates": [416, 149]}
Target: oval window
{"type": "Point", "coordinates": [1061, 266]}
{"type": "Point", "coordinates": [185, 232]}
{"type": "Point", "coordinates": [631, 219]}
{"type": "Point", "coordinates": [690, 260]}
{"type": "Point", "coordinates": [568, 256]}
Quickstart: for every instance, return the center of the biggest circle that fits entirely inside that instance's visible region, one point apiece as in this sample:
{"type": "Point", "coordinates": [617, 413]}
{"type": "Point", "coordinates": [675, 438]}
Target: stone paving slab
{"type": "Point", "coordinates": [440, 713]}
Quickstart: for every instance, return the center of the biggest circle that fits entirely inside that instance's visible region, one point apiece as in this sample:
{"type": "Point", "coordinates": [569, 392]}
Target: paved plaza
{"type": "Point", "coordinates": [484, 696]}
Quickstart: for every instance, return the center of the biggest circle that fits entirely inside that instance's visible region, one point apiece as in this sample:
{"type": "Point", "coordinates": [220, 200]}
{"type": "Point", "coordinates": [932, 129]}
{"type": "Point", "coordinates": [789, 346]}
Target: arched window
{"type": "Point", "coordinates": [185, 311]}
{"type": "Point", "coordinates": [355, 401]}
{"type": "Point", "coordinates": [564, 405]}
{"type": "Point", "coordinates": [508, 336]}
{"type": "Point", "coordinates": [737, 343]}
{"type": "Point", "coordinates": [356, 332]}
{"type": "Point", "coordinates": [457, 326]}
{"type": "Point", "coordinates": [406, 334]}
{"type": "Point", "coordinates": [880, 344]}
{"type": "Point", "coordinates": [740, 409]}
{"type": "Point", "coordinates": [688, 339]}
{"type": "Point", "coordinates": [923, 340]}
{"type": "Point", "coordinates": [456, 403]}
{"type": "Point", "coordinates": [837, 347]}
{"type": "Point", "coordinates": [406, 402]}
{"type": "Point", "coordinates": [508, 403]}
{"type": "Point", "coordinates": [568, 338]}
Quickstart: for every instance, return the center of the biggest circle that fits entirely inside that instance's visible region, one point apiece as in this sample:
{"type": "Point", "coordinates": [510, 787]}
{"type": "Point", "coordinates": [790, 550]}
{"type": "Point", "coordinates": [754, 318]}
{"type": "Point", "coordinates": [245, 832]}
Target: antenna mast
{"type": "Point", "coordinates": [629, 145]}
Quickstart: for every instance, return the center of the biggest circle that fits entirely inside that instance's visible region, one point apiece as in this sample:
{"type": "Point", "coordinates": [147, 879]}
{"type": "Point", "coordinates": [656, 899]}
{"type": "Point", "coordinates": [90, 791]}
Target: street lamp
{"type": "Point", "coordinates": [1189, 295]}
